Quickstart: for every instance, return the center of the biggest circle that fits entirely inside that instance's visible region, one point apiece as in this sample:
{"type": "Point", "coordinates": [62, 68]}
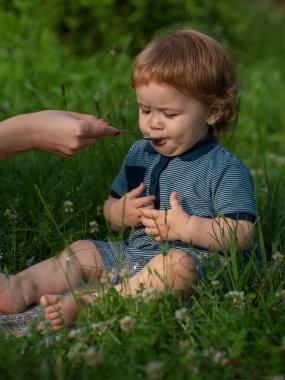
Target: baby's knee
{"type": "Point", "coordinates": [80, 245]}
{"type": "Point", "coordinates": [185, 265]}
{"type": "Point", "coordinates": [178, 265]}
{"type": "Point", "coordinates": [183, 272]}
{"type": "Point", "coordinates": [79, 250]}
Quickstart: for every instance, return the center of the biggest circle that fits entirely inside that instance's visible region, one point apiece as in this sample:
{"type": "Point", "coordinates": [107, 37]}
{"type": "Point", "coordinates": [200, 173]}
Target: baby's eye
{"type": "Point", "coordinates": [170, 115]}
{"type": "Point", "coordinates": [144, 111]}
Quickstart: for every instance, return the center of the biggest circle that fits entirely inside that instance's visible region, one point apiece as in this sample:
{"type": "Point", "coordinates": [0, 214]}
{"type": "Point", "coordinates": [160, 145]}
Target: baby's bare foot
{"type": "Point", "coordinates": [60, 311]}
{"type": "Point", "coordinates": [11, 299]}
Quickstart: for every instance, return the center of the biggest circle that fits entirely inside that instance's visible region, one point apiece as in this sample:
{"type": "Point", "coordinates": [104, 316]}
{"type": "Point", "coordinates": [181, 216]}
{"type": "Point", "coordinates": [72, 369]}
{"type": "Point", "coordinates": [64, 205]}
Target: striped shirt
{"type": "Point", "coordinates": [209, 182]}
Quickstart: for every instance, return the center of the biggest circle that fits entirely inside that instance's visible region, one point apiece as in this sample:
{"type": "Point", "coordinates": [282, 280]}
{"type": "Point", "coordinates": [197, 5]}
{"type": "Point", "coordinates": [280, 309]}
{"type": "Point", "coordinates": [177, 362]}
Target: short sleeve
{"type": "Point", "coordinates": [119, 185]}
{"type": "Point", "coordinates": [132, 171]}
{"type": "Point", "coordinates": [233, 192]}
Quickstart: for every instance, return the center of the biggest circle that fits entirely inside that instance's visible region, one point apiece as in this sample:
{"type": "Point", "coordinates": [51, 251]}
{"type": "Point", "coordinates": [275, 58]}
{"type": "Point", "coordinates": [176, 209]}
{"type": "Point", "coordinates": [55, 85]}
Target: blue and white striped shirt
{"type": "Point", "coordinates": [209, 182]}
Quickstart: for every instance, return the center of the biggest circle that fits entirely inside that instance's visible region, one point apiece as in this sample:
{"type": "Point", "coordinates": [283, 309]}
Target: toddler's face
{"type": "Point", "coordinates": [178, 120]}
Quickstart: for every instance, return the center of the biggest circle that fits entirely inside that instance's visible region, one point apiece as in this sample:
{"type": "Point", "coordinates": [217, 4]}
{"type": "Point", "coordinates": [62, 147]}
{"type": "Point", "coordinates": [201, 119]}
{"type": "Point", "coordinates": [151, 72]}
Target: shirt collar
{"type": "Point", "coordinates": [202, 147]}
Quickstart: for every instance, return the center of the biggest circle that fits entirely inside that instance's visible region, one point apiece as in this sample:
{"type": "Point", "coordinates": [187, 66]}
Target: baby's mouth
{"type": "Point", "coordinates": [159, 141]}
{"type": "Point", "coordinates": [148, 138]}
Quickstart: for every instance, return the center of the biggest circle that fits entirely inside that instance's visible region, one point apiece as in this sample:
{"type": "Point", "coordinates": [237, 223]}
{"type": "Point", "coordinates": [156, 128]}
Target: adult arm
{"type": "Point", "coordinates": [57, 132]}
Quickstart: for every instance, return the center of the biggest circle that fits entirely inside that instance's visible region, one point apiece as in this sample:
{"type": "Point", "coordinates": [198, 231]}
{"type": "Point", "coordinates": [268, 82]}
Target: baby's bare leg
{"type": "Point", "coordinates": [174, 272]}
{"type": "Point", "coordinates": [48, 277]}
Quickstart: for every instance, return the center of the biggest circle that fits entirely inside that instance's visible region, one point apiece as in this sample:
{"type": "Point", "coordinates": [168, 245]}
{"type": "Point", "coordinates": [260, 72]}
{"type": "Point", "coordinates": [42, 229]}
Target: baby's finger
{"type": "Point", "coordinates": [145, 201]}
{"type": "Point", "coordinates": [151, 232]}
{"type": "Point", "coordinates": [149, 206]}
{"type": "Point", "coordinates": [148, 222]}
{"type": "Point", "coordinates": [149, 213]}
{"type": "Point", "coordinates": [136, 192]}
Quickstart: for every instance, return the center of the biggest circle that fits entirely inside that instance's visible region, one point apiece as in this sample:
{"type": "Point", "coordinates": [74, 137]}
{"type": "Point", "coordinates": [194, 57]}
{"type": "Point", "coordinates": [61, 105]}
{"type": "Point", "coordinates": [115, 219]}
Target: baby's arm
{"type": "Point", "coordinates": [124, 212]}
{"type": "Point", "coordinates": [217, 234]}
{"type": "Point", "coordinates": [220, 233]}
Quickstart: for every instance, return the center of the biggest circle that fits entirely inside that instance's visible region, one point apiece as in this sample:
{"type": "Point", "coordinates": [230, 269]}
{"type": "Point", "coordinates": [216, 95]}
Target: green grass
{"type": "Point", "coordinates": [221, 335]}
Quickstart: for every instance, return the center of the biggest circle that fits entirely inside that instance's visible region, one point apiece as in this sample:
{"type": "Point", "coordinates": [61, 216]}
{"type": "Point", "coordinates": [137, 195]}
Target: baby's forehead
{"type": "Point", "coordinates": [162, 96]}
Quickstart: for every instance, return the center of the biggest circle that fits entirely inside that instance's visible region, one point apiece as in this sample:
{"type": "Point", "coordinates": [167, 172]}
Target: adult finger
{"type": "Point", "coordinates": [98, 130]}
{"type": "Point", "coordinates": [90, 119]}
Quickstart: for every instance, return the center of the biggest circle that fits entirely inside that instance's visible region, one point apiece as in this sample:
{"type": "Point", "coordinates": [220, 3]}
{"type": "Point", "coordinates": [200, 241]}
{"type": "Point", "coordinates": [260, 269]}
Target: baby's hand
{"type": "Point", "coordinates": [171, 224]}
{"type": "Point", "coordinates": [131, 205]}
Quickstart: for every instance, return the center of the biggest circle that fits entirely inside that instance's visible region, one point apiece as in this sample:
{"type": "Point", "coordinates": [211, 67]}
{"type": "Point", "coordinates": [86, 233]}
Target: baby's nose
{"type": "Point", "coordinates": [155, 122]}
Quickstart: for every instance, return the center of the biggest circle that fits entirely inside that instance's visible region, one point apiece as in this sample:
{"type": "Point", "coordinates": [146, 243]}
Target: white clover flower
{"type": "Point", "coordinates": [235, 294]}
{"type": "Point", "coordinates": [127, 323]}
{"type": "Point", "coordinates": [150, 293]}
{"type": "Point", "coordinates": [94, 227]}
{"type": "Point", "coordinates": [182, 315]}
{"type": "Point", "coordinates": [193, 368]}
{"type": "Point", "coordinates": [7, 212]}
{"type": "Point", "coordinates": [277, 257]}
{"type": "Point", "coordinates": [279, 160]}
{"type": "Point", "coordinates": [13, 218]}
{"type": "Point", "coordinates": [76, 350]}
{"type": "Point", "coordinates": [68, 206]}
{"type": "Point", "coordinates": [183, 345]}
{"type": "Point", "coordinates": [237, 298]}
{"type": "Point", "coordinates": [154, 370]}
{"type": "Point", "coordinates": [92, 357]}
{"type": "Point", "coordinates": [215, 282]}
{"type": "Point", "coordinates": [218, 357]}
{"type": "Point", "coordinates": [257, 172]}
{"type": "Point", "coordinates": [191, 354]}
{"type": "Point", "coordinates": [113, 51]}
{"type": "Point", "coordinates": [125, 273]}
{"type": "Point", "coordinates": [6, 104]}
{"type": "Point", "coordinates": [99, 210]}
{"type": "Point", "coordinates": [280, 293]}
{"type": "Point", "coordinates": [110, 278]}
{"type": "Point", "coordinates": [72, 333]}
{"type": "Point", "coordinates": [263, 191]}
{"type": "Point", "coordinates": [100, 327]}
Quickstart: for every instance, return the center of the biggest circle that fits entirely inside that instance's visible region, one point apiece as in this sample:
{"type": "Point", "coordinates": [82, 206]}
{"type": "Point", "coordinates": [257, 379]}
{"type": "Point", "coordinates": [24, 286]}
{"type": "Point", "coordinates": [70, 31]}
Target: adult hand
{"type": "Point", "coordinates": [168, 225]}
{"type": "Point", "coordinates": [64, 133]}
{"type": "Point", "coordinates": [57, 132]}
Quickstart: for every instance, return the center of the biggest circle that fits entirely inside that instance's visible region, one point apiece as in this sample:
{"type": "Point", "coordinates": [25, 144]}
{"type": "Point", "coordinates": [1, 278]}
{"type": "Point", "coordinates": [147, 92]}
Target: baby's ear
{"type": "Point", "coordinates": [215, 114]}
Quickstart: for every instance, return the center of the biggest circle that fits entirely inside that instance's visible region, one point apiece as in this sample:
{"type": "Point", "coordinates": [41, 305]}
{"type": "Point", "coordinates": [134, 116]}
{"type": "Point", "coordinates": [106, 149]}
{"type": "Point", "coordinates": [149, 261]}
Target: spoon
{"type": "Point", "coordinates": [144, 137]}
